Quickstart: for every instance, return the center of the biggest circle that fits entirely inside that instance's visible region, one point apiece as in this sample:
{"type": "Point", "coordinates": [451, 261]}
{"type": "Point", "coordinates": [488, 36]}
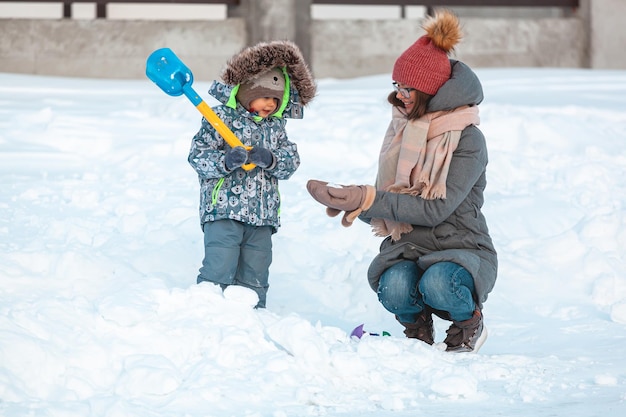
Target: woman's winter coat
{"type": "Point", "coordinates": [251, 197]}
{"type": "Point", "coordinates": [452, 229]}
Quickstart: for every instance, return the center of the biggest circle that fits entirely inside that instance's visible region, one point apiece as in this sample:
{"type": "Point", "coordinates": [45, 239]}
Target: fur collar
{"type": "Point", "coordinates": [264, 56]}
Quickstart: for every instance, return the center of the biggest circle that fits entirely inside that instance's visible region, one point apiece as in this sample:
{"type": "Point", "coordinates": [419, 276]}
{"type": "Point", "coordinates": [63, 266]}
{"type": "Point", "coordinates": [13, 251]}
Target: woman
{"type": "Point", "coordinates": [438, 257]}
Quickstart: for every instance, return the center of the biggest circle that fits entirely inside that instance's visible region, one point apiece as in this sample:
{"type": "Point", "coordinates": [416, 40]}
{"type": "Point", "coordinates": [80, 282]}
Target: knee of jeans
{"type": "Point", "coordinates": [392, 300]}
{"type": "Point", "coordinates": [433, 284]}
{"type": "Point", "coordinates": [438, 282]}
{"type": "Point", "coordinates": [395, 289]}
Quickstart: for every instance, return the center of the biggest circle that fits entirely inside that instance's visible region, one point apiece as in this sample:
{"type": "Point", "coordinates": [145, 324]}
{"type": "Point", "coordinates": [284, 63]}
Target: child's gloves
{"type": "Point", "coordinates": [352, 199]}
{"type": "Point", "coordinates": [261, 157]}
{"type": "Point", "coordinates": [235, 157]}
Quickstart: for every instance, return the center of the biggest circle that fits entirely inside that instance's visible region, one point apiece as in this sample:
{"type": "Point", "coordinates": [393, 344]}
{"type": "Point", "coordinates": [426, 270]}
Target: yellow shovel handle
{"type": "Point", "coordinates": [222, 129]}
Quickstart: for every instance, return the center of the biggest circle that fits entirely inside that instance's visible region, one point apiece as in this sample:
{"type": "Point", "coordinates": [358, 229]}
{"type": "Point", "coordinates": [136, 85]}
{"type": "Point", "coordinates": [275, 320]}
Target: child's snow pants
{"type": "Point", "coordinates": [237, 254]}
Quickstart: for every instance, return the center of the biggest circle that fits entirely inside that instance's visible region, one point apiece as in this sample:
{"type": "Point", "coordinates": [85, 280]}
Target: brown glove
{"type": "Point", "coordinates": [352, 199]}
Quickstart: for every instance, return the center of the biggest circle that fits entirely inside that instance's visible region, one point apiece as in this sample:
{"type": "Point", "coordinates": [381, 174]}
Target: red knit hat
{"type": "Point", "coordinates": [425, 65]}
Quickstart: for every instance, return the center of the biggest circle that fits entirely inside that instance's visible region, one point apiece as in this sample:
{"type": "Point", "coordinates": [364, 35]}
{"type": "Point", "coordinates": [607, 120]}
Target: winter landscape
{"type": "Point", "coordinates": [100, 245]}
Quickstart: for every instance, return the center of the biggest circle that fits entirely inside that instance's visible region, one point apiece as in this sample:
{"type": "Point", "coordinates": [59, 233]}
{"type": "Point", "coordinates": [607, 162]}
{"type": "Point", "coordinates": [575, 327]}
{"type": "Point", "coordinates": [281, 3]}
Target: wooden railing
{"type": "Point", "coordinates": [573, 4]}
{"type": "Point", "coordinates": [101, 4]}
{"type": "Point", "coordinates": [485, 3]}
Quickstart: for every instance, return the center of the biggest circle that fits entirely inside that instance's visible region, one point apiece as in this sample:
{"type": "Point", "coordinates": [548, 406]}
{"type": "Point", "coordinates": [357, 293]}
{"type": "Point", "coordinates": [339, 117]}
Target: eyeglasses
{"type": "Point", "coordinates": [405, 91]}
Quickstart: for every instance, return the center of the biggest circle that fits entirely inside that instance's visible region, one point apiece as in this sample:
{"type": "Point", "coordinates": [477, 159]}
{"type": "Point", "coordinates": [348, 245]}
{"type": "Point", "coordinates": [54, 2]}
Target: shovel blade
{"type": "Point", "coordinates": [168, 72]}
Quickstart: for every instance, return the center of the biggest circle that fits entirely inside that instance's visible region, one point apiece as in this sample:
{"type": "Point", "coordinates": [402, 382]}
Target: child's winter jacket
{"type": "Point", "coordinates": [251, 197]}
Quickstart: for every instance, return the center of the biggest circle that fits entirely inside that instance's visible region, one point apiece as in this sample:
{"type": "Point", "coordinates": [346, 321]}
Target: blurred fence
{"type": "Point", "coordinates": [589, 33]}
{"type": "Point", "coordinates": [101, 5]}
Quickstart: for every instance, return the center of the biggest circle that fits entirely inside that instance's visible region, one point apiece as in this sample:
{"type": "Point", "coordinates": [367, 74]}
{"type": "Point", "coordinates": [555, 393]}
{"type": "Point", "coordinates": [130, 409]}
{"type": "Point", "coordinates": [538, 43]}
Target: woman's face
{"type": "Point", "coordinates": [405, 94]}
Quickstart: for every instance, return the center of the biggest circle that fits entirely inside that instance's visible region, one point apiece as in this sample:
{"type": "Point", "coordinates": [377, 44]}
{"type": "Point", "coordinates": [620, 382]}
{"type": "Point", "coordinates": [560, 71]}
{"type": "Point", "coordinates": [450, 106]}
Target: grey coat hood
{"type": "Point", "coordinates": [463, 88]}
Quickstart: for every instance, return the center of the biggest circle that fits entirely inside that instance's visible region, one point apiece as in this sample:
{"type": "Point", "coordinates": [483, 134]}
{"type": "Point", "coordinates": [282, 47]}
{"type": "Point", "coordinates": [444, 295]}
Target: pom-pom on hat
{"type": "Point", "coordinates": [425, 65]}
{"type": "Point", "coordinates": [267, 84]}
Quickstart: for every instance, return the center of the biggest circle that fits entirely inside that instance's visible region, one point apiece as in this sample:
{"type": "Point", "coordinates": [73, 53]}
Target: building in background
{"type": "Point", "coordinates": [338, 41]}
{"type": "Point", "coordinates": [143, 11]}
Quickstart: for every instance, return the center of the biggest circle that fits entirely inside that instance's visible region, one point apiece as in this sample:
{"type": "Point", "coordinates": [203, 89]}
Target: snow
{"type": "Point", "coordinates": [100, 246]}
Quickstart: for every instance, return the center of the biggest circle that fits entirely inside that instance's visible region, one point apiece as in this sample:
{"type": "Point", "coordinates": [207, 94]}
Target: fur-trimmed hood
{"type": "Point", "coordinates": [264, 56]}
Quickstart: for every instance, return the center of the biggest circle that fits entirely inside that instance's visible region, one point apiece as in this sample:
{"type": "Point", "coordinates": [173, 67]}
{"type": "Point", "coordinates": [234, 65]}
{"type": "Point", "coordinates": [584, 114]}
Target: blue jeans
{"type": "Point", "coordinates": [405, 290]}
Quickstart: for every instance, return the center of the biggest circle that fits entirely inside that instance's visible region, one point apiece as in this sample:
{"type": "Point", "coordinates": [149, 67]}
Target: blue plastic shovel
{"type": "Point", "coordinates": [172, 76]}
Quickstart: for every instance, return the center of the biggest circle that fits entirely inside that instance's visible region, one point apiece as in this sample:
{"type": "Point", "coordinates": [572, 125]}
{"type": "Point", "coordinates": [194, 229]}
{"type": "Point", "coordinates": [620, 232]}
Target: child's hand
{"type": "Point", "coordinates": [235, 157]}
{"type": "Point", "coordinates": [261, 157]}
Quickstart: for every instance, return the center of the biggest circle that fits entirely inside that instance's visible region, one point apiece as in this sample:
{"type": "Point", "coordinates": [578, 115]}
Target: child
{"type": "Point", "coordinates": [239, 207]}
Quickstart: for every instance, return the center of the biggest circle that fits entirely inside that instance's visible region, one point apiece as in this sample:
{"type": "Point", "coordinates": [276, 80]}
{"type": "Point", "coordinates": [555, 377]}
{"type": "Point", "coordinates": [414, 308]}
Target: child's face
{"type": "Point", "coordinates": [264, 106]}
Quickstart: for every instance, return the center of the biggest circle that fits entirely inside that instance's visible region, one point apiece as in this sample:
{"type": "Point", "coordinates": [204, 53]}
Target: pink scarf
{"type": "Point", "coordinates": [415, 158]}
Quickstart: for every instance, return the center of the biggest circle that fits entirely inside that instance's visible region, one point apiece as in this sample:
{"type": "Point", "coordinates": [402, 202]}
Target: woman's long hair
{"type": "Point", "coordinates": [421, 103]}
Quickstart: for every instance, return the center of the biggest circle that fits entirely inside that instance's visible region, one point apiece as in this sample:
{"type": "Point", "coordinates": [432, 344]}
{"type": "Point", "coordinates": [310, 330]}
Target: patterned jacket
{"type": "Point", "coordinates": [251, 197]}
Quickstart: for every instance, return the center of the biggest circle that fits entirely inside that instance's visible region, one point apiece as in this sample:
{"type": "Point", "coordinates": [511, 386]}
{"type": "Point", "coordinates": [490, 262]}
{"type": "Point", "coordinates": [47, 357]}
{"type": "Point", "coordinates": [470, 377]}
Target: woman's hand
{"type": "Point", "coordinates": [353, 199]}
